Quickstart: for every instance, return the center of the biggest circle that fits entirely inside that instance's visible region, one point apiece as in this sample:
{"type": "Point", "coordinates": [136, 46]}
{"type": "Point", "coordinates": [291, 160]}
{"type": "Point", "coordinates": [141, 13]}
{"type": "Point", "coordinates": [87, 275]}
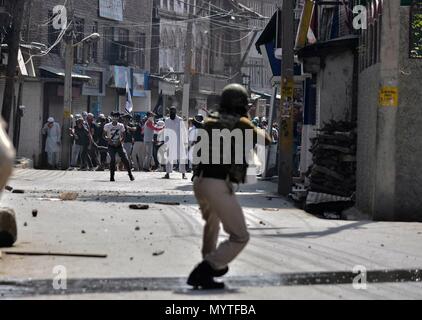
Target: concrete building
{"type": "Point", "coordinates": [215, 44]}
{"type": "Point", "coordinates": [331, 63]}
{"type": "Point", "coordinates": [100, 68]}
{"type": "Point", "coordinates": [389, 186]}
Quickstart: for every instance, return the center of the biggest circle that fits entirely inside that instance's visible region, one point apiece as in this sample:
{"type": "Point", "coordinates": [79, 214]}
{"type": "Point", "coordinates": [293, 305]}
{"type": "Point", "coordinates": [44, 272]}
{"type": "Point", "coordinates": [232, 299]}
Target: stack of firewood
{"type": "Point", "coordinates": [334, 160]}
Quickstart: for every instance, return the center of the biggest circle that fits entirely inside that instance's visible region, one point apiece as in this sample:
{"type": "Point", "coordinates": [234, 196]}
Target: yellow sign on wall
{"type": "Point", "coordinates": [288, 89]}
{"type": "Point", "coordinates": [389, 97]}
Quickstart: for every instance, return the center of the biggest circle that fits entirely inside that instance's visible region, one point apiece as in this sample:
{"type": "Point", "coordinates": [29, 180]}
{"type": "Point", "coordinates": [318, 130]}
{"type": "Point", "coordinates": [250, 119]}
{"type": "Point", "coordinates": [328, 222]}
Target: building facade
{"type": "Point", "coordinates": [101, 68]}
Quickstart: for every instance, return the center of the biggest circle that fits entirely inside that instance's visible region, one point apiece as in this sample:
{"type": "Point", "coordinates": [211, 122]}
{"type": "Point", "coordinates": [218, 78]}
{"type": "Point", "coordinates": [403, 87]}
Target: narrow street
{"type": "Point", "coordinates": [151, 252]}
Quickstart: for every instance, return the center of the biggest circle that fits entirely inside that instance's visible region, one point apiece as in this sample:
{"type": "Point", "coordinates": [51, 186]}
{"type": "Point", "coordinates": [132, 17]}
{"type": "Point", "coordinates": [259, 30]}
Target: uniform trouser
{"type": "Point", "coordinates": [219, 204]}
{"type": "Point", "coordinates": [149, 150]}
{"type": "Point", "coordinates": [123, 156]}
{"type": "Point", "coordinates": [138, 155]}
{"type": "Point", "coordinates": [76, 151]}
{"type": "Point", "coordinates": [53, 158]}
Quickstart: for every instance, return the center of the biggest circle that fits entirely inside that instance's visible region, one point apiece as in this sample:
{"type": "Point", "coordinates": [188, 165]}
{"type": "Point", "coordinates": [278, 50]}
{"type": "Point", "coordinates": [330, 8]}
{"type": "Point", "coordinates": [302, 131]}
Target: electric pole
{"type": "Point", "coordinates": [188, 68]}
{"type": "Point", "coordinates": [285, 166]}
{"type": "Point", "coordinates": [67, 106]}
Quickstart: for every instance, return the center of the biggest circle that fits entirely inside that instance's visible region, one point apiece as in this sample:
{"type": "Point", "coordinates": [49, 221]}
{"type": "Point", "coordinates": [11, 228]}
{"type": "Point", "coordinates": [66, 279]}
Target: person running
{"type": "Point", "coordinates": [114, 133]}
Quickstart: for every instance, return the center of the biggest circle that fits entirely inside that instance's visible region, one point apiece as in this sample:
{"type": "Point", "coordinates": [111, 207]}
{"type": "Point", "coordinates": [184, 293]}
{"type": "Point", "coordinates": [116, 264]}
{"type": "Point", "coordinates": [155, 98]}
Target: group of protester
{"type": "Point", "coordinates": [131, 143]}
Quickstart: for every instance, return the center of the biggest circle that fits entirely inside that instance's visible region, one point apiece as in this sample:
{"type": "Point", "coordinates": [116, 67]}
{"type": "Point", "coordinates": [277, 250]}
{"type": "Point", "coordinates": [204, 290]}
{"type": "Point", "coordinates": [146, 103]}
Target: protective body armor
{"type": "Point", "coordinates": [236, 173]}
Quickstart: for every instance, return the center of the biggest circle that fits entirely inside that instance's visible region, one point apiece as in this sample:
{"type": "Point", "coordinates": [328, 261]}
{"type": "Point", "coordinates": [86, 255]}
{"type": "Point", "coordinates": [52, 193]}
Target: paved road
{"type": "Point", "coordinates": [291, 254]}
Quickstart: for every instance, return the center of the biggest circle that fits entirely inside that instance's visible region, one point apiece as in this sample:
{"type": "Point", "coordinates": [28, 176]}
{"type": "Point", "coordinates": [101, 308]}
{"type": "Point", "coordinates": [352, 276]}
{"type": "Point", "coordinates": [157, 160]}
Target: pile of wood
{"type": "Point", "coordinates": [334, 160]}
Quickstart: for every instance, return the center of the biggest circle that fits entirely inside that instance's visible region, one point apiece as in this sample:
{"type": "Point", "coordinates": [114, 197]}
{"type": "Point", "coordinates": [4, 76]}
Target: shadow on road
{"type": "Point", "coordinates": [323, 233]}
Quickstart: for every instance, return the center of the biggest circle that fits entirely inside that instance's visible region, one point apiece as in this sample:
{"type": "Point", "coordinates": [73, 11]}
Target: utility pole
{"type": "Point", "coordinates": [16, 11]}
{"type": "Point", "coordinates": [67, 106]}
{"type": "Point", "coordinates": [285, 166]}
{"type": "Point", "coordinates": [188, 68]}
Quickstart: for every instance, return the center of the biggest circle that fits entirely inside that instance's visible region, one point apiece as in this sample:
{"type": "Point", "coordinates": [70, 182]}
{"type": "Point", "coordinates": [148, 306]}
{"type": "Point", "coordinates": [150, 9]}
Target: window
{"type": "Point", "coordinates": [78, 29]}
{"type": "Point", "coordinates": [141, 44]}
{"type": "Point", "coordinates": [108, 37]}
{"type": "Point", "coordinates": [53, 34]}
{"type": "Point", "coordinates": [94, 45]}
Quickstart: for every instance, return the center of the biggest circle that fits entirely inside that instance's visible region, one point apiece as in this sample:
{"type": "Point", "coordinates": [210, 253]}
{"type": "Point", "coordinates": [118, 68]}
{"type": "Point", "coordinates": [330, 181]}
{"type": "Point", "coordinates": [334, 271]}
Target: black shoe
{"type": "Point", "coordinates": [131, 177]}
{"type": "Point", "coordinates": [167, 176]}
{"type": "Point", "coordinates": [203, 276]}
{"type": "Point", "coordinates": [112, 179]}
{"type": "Point", "coordinates": [184, 176]}
{"type": "Point", "coordinates": [220, 273]}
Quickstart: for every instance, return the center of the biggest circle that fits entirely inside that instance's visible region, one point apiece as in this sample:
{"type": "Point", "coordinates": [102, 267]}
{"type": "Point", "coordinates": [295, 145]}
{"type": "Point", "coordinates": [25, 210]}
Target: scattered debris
{"type": "Point", "coordinates": [68, 196]}
{"type": "Point", "coordinates": [8, 188]}
{"type": "Point", "coordinates": [332, 216]}
{"type": "Point", "coordinates": [137, 228]}
{"type": "Point", "coordinates": [60, 254]}
{"type": "Point", "coordinates": [83, 231]}
{"type": "Point", "coordinates": [158, 253]}
{"type": "Point", "coordinates": [34, 213]}
{"type": "Point", "coordinates": [25, 224]}
{"type": "Point", "coordinates": [262, 223]}
{"type": "Point", "coordinates": [131, 258]}
{"type": "Point", "coordinates": [168, 203]}
{"type": "Point", "coordinates": [270, 209]}
{"type": "Point", "coordinates": [18, 191]}
{"type": "Point", "coordinates": [139, 206]}
{"type": "Point", "coordinates": [8, 228]}
{"type": "Point", "coordinates": [382, 245]}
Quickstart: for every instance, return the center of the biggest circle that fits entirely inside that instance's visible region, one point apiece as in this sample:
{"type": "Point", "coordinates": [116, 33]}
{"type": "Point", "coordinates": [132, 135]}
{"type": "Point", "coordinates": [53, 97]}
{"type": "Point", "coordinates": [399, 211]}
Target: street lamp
{"type": "Point", "coordinates": [90, 38]}
{"type": "Point", "coordinates": [67, 107]}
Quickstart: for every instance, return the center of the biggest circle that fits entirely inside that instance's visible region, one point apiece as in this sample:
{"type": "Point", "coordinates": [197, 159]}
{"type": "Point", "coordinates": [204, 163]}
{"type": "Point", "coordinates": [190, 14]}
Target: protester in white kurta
{"type": "Point", "coordinates": [176, 138]}
{"type": "Point", "coordinates": [53, 142]}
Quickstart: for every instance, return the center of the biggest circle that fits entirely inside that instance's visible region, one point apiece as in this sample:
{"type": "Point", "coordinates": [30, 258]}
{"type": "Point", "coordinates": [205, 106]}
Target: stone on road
{"type": "Point", "coordinates": [8, 229]}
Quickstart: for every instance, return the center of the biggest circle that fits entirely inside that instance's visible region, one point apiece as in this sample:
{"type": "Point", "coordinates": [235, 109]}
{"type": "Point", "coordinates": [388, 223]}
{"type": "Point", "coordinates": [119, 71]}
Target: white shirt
{"type": "Point", "coordinates": [114, 132]}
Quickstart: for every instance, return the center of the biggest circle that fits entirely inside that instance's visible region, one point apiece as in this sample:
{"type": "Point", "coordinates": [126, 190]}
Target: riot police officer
{"type": "Point", "coordinates": [213, 188]}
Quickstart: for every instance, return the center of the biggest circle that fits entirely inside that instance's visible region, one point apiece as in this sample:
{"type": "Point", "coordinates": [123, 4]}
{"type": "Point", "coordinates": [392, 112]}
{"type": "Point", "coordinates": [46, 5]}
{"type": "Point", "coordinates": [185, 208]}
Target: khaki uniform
{"type": "Point", "coordinates": [218, 203]}
{"type": "Point", "coordinates": [7, 154]}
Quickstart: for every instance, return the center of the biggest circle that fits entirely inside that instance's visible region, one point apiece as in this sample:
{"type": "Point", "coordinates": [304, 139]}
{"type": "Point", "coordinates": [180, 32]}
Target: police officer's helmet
{"type": "Point", "coordinates": [234, 99]}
